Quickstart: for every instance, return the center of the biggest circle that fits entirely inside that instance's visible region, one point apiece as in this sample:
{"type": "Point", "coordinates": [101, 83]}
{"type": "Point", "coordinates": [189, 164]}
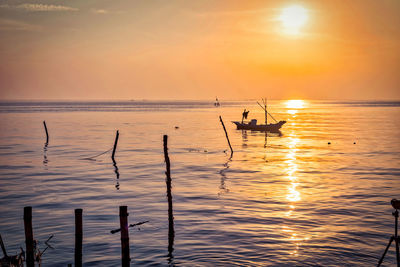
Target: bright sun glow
{"type": "Point", "coordinates": [293, 18]}
{"type": "Point", "coordinates": [295, 104]}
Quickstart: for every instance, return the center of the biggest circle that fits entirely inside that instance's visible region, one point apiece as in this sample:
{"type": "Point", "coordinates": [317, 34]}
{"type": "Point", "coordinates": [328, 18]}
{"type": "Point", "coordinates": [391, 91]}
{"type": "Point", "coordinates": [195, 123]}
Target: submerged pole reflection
{"type": "Point", "coordinates": [222, 187]}
{"type": "Point", "coordinates": [116, 174]}
{"type": "Point", "coordinates": [45, 160]}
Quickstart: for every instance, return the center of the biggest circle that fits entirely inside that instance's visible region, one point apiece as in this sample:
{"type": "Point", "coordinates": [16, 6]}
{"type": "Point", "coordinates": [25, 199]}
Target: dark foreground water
{"type": "Point", "coordinates": [281, 200]}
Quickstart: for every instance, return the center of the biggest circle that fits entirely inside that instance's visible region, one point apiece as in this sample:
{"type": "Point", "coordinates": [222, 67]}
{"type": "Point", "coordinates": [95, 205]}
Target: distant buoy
{"type": "Point", "coordinates": [329, 143]}
{"type": "Point", "coordinates": [354, 143]}
{"type": "Point", "coordinates": [176, 127]}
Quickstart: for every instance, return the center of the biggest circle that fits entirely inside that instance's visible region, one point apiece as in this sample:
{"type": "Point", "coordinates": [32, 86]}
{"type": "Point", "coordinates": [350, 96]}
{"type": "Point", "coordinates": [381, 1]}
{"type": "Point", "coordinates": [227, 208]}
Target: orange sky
{"type": "Point", "coordinates": [123, 49]}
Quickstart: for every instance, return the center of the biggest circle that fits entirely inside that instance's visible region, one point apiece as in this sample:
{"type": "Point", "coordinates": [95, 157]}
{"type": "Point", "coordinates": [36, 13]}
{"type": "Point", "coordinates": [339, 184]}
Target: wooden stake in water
{"type": "Point", "coordinates": [115, 145]}
{"type": "Point", "coordinates": [226, 134]}
{"type": "Point", "coordinates": [47, 133]}
{"type": "Point", "coordinates": [78, 237]}
{"type": "Point", "coordinates": [171, 231]}
{"type": "Point", "coordinates": [123, 220]}
{"type": "Point", "coordinates": [3, 248]}
{"type": "Point", "coordinates": [29, 237]}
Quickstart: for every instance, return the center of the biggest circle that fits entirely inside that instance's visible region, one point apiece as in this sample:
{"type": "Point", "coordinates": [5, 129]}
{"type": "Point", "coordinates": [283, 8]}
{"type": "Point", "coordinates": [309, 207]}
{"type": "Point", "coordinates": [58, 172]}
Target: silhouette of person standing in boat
{"type": "Point", "coordinates": [245, 114]}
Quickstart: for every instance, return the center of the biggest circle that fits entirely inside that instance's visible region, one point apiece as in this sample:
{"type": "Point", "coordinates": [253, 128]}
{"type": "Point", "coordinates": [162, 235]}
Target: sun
{"type": "Point", "coordinates": [293, 18]}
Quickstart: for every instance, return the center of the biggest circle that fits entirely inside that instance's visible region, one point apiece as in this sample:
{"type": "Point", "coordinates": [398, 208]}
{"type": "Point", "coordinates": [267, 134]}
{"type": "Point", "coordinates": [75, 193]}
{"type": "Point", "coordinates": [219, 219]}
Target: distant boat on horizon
{"type": "Point", "coordinates": [217, 104]}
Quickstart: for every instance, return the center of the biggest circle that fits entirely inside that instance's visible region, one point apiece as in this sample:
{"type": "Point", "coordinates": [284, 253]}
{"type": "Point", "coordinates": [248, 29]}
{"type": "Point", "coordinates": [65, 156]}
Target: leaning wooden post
{"type": "Point", "coordinates": [115, 145]}
{"type": "Point", "coordinates": [171, 231]}
{"type": "Point", "coordinates": [123, 220]}
{"type": "Point", "coordinates": [78, 237]}
{"type": "Point", "coordinates": [3, 248]}
{"type": "Point", "coordinates": [29, 237]}
{"type": "Point", "coordinates": [47, 133]}
{"type": "Point", "coordinates": [226, 134]}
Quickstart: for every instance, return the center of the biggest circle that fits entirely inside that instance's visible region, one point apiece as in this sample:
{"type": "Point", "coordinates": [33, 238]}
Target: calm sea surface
{"type": "Point", "coordinates": [281, 200]}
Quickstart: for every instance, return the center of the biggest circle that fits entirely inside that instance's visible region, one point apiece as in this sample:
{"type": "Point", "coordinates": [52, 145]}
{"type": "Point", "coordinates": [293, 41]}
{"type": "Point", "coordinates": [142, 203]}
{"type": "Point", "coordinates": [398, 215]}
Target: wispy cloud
{"type": "Point", "coordinates": [99, 11]}
{"type": "Point", "coordinates": [15, 25]}
{"type": "Point", "coordinates": [39, 7]}
{"type": "Point", "coordinates": [231, 12]}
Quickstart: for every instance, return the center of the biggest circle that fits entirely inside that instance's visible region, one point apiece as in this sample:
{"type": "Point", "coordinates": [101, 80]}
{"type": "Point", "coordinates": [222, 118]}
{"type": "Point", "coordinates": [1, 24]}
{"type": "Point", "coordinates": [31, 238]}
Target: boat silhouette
{"type": "Point", "coordinates": [252, 124]}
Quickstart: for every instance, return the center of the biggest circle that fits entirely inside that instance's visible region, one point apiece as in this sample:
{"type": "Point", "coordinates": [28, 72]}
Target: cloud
{"type": "Point", "coordinates": [230, 12]}
{"type": "Point", "coordinates": [99, 11]}
{"type": "Point", "coordinates": [42, 7]}
{"type": "Point", "coordinates": [39, 7]}
{"type": "Point", "coordinates": [15, 25]}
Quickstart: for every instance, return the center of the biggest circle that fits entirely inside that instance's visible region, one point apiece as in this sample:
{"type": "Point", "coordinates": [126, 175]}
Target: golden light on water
{"type": "Point", "coordinates": [293, 195]}
{"type": "Point", "coordinates": [295, 104]}
{"type": "Point", "coordinates": [293, 18]}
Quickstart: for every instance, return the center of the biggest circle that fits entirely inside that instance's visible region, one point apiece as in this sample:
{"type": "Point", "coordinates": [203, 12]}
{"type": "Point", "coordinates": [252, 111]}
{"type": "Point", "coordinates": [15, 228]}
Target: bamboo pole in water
{"type": "Point", "coordinates": [78, 237]}
{"type": "Point", "coordinates": [171, 230]}
{"type": "Point", "coordinates": [47, 133]}
{"type": "Point", "coordinates": [226, 134]}
{"type": "Point", "coordinates": [29, 237]}
{"type": "Point", "coordinates": [115, 145]}
{"type": "Point", "coordinates": [123, 219]}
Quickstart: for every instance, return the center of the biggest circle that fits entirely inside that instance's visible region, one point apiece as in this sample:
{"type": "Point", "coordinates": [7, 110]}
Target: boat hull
{"type": "Point", "coordinates": [272, 127]}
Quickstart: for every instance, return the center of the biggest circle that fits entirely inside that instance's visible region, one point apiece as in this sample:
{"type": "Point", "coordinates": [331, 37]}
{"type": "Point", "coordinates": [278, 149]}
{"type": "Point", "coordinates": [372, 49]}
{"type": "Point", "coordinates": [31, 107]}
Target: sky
{"type": "Point", "coordinates": [156, 49]}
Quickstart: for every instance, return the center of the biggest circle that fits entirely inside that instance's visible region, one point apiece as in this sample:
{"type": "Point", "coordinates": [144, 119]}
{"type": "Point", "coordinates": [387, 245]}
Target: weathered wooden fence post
{"type": "Point", "coordinates": [78, 237]}
{"type": "Point", "coordinates": [226, 134]}
{"type": "Point", "coordinates": [123, 220]}
{"type": "Point", "coordinates": [115, 146]}
{"type": "Point", "coordinates": [30, 259]}
{"type": "Point", "coordinates": [168, 180]}
{"type": "Point", "coordinates": [47, 133]}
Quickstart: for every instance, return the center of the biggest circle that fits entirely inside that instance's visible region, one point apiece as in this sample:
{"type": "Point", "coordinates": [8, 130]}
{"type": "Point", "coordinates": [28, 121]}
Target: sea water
{"type": "Point", "coordinates": [316, 194]}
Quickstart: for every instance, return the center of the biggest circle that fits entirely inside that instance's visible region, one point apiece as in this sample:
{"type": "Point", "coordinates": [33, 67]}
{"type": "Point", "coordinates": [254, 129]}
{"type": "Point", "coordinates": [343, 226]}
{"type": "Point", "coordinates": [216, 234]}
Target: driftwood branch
{"type": "Point", "coordinates": [131, 225]}
{"type": "Point", "coordinates": [47, 246]}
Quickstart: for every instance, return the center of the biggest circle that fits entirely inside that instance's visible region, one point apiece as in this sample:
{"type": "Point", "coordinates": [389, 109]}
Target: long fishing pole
{"type": "Point", "coordinates": [267, 111]}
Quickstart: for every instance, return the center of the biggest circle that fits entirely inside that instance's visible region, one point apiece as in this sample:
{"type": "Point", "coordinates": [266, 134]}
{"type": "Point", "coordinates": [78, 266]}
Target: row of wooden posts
{"type": "Point", "coordinates": [117, 136]}
{"type": "Point", "coordinates": [30, 246]}
{"type": "Point", "coordinates": [123, 216]}
{"type": "Point", "coordinates": [114, 147]}
{"type": "Point", "coordinates": [124, 226]}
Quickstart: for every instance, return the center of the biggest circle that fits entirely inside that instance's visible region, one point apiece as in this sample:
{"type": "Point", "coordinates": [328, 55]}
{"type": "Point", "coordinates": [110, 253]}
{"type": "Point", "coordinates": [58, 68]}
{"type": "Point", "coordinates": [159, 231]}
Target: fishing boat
{"type": "Point", "coordinates": [252, 124]}
{"type": "Point", "coordinates": [217, 104]}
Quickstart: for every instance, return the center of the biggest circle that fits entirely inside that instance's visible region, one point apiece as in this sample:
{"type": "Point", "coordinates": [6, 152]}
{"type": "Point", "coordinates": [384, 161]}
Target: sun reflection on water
{"type": "Point", "coordinates": [294, 235]}
{"type": "Point", "coordinates": [293, 194]}
{"type": "Point", "coordinates": [294, 105]}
